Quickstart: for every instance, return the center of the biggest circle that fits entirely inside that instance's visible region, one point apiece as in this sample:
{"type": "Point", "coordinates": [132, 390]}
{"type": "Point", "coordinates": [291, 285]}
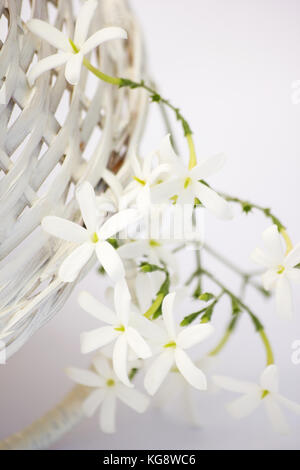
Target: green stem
{"type": "Point", "coordinates": [233, 267]}
{"type": "Point", "coordinates": [154, 307]}
{"type": "Point", "coordinates": [248, 206]}
{"type": "Point", "coordinates": [224, 340]}
{"type": "Point", "coordinates": [255, 320]}
{"type": "Point", "coordinates": [265, 340]}
{"type": "Point", "coordinates": [154, 96]}
{"type": "Point", "coordinates": [221, 344]}
{"type": "Point", "coordinates": [193, 158]}
{"type": "Point", "coordinates": [102, 76]}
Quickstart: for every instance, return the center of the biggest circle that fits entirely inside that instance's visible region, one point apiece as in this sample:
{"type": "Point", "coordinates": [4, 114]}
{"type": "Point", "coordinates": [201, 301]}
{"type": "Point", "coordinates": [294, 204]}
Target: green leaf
{"type": "Point", "coordinates": [191, 317]}
{"type": "Point", "coordinates": [150, 268]}
{"type": "Point", "coordinates": [236, 308]}
{"type": "Point", "coordinates": [197, 292]}
{"type": "Point", "coordinates": [208, 313]}
{"type": "Point", "coordinates": [132, 373]}
{"type": "Point", "coordinates": [206, 296]}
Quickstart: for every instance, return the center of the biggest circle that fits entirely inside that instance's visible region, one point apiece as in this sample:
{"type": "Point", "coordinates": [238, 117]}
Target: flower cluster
{"type": "Point", "coordinates": [139, 331]}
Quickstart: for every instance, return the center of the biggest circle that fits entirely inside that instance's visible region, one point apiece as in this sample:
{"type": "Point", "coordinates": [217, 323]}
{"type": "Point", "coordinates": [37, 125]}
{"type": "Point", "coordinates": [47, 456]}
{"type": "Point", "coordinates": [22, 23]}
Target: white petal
{"type": "Point", "coordinates": [167, 313]}
{"type": "Point", "coordinates": [64, 229]}
{"type": "Point", "coordinates": [158, 172]}
{"type": "Point", "coordinates": [244, 406]}
{"type": "Point", "coordinates": [234, 385]}
{"type": "Point", "coordinates": [275, 415]}
{"type": "Point", "coordinates": [208, 167]}
{"type": "Point", "coordinates": [263, 259]}
{"type": "Point", "coordinates": [73, 68]}
{"type": "Point", "coordinates": [117, 222]}
{"type": "Point", "coordinates": [83, 21]}
{"type": "Point", "coordinates": [86, 199]}
{"type": "Point", "coordinates": [108, 414]}
{"type": "Point", "coordinates": [105, 204]}
{"type": "Point", "coordinates": [293, 258]}
{"type": "Point", "coordinates": [113, 182]}
{"type": "Point", "coordinates": [269, 278]}
{"type": "Point", "coordinates": [293, 274]}
{"type": "Point", "coordinates": [212, 201]}
{"type": "Point", "coordinates": [110, 260]}
{"type": "Point", "coordinates": [95, 339]}
{"type": "Point", "coordinates": [147, 328]}
{"type": "Point", "coordinates": [134, 250]}
{"type": "Point", "coordinates": [120, 360]}
{"type": "Point", "coordinates": [105, 34]}
{"type": "Point", "coordinates": [50, 34]}
{"type": "Point", "coordinates": [129, 197]}
{"type": "Point", "coordinates": [190, 372]}
{"type": "Point", "coordinates": [283, 297]}
{"type": "Point", "coordinates": [290, 405]}
{"type": "Point", "coordinates": [269, 379]}
{"type": "Point", "coordinates": [73, 264]}
{"type": "Point", "coordinates": [158, 371]}
{"type": "Point", "coordinates": [273, 244]}
{"type": "Point", "coordinates": [93, 401]}
{"type": "Point", "coordinates": [85, 377]}
{"type": "Point", "coordinates": [137, 343]}
{"type": "Point", "coordinates": [194, 335]}
{"type": "Point", "coordinates": [132, 398]}
{"type": "Point", "coordinates": [102, 366]}
{"type": "Point", "coordinates": [96, 308]}
{"type": "Point", "coordinates": [122, 301]}
{"type": "Point", "coordinates": [144, 291]}
{"type": "Point", "coordinates": [50, 62]}
{"type": "Point", "coordinates": [163, 192]}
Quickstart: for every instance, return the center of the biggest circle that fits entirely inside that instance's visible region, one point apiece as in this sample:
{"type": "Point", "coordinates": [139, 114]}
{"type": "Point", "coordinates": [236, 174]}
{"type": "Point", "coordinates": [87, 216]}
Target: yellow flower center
{"type": "Point", "coordinates": [154, 243]}
{"type": "Point", "coordinates": [142, 182]}
{"type": "Point", "coordinates": [171, 344]}
{"type": "Point", "coordinates": [187, 182]}
{"type": "Point", "coordinates": [120, 328]}
{"type": "Point", "coordinates": [94, 238]}
{"type": "Point", "coordinates": [110, 382]}
{"type": "Point", "coordinates": [280, 269]}
{"type": "Point", "coordinates": [264, 394]}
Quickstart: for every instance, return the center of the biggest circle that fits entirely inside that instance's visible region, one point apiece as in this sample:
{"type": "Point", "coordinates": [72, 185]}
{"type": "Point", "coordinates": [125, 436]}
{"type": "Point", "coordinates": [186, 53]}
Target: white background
{"type": "Point", "coordinates": [229, 65]}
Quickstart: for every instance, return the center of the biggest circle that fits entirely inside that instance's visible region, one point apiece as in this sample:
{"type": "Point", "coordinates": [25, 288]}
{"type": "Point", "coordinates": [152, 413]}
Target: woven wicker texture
{"type": "Point", "coordinates": [52, 137]}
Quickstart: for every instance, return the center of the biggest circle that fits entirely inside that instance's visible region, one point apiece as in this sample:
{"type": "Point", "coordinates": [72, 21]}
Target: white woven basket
{"type": "Point", "coordinates": [42, 159]}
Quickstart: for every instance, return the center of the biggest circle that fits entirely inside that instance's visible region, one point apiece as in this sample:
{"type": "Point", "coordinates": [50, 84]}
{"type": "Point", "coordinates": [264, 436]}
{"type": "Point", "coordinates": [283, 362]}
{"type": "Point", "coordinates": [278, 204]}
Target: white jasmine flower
{"type": "Point", "coordinates": [146, 174]}
{"type": "Point", "coordinates": [186, 184]}
{"type": "Point", "coordinates": [92, 239]}
{"type": "Point", "coordinates": [107, 390]}
{"type": "Point", "coordinates": [67, 55]}
{"type": "Point", "coordinates": [254, 395]}
{"type": "Point", "coordinates": [280, 269]}
{"type": "Point", "coordinates": [121, 330]}
{"type": "Point", "coordinates": [173, 347]}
